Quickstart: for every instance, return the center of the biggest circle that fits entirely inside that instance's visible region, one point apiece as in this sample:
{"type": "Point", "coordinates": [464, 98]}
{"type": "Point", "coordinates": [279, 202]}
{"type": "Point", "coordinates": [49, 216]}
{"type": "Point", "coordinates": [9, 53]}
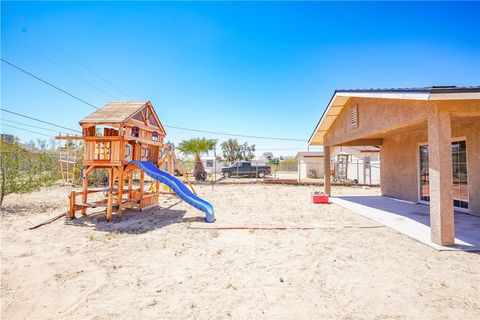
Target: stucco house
{"type": "Point", "coordinates": [429, 141]}
{"type": "Point", "coordinates": [310, 164]}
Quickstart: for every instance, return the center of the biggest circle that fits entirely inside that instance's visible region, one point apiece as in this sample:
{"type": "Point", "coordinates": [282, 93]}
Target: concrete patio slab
{"type": "Point", "coordinates": [412, 220]}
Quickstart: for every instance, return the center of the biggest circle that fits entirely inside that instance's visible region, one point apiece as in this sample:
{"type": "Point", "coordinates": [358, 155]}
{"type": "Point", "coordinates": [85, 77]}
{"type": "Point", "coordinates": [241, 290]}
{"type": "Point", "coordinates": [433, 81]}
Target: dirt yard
{"type": "Point", "coordinates": [153, 265]}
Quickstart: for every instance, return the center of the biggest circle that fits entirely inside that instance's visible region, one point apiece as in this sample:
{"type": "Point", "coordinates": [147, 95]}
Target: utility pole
{"type": "Point", "coordinates": [215, 163]}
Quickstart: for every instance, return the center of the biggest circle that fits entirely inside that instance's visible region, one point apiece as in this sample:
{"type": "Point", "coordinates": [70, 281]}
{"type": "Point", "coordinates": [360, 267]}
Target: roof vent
{"type": "Point", "coordinates": [353, 116]}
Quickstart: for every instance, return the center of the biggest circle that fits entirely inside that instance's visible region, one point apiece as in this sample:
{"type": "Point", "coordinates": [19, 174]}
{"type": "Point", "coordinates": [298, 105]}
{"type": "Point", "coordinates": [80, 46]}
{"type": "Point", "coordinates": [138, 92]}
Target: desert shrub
{"type": "Point", "coordinates": [24, 171]}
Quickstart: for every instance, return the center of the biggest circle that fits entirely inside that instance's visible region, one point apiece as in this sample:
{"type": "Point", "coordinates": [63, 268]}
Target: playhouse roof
{"type": "Point", "coordinates": [115, 111]}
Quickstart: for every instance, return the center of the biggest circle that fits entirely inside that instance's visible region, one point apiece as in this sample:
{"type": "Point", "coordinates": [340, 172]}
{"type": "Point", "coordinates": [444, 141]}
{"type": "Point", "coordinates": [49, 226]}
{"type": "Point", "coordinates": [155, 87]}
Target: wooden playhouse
{"type": "Point", "coordinates": [114, 135]}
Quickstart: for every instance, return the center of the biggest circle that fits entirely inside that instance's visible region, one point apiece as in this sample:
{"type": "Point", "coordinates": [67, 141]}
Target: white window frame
{"type": "Point", "coordinates": [419, 186]}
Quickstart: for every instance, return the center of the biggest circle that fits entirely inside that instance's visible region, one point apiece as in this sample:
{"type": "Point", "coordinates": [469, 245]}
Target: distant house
{"type": "Point", "coordinates": [310, 164]}
{"type": "Point", "coordinates": [357, 164]}
{"type": "Point", "coordinates": [429, 141]}
{"type": "Point", "coordinates": [260, 160]}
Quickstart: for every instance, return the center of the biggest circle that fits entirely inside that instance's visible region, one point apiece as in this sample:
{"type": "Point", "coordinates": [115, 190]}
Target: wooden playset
{"type": "Point", "coordinates": [113, 136]}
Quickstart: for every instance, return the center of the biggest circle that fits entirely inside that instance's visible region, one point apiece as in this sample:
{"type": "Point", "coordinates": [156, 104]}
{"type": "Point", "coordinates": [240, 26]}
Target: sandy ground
{"type": "Point", "coordinates": [151, 265]}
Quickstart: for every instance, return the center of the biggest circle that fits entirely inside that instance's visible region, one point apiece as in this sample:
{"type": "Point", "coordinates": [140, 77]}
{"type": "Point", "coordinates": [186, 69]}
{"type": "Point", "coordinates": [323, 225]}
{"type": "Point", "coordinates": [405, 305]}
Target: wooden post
{"type": "Point", "coordinates": [85, 193]}
{"type": "Point", "coordinates": [120, 176]}
{"type": "Point", "coordinates": [71, 208]}
{"type": "Point", "coordinates": [85, 188]}
{"type": "Point", "coordinates": [142, 177]}
{"type": "Point", "coordinates": [109, 205]}
{"type": "Point", "coordinates": [120, 189]}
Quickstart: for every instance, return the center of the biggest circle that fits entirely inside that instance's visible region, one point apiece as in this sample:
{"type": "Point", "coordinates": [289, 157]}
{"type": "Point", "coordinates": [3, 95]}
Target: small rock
{"type": "Point", "coordinates": [281, 279]}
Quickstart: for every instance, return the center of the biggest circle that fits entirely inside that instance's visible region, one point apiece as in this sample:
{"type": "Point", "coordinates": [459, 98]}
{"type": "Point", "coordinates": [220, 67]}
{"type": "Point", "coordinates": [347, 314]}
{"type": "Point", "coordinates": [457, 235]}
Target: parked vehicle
{"type": "Point", "coordinates": [245, 169]}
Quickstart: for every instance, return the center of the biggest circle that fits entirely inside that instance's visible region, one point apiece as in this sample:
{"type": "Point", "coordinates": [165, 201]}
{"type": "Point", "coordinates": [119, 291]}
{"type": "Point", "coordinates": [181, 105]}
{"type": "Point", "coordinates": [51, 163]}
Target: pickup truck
{"type": "Point", "coordinates": [245, 169]}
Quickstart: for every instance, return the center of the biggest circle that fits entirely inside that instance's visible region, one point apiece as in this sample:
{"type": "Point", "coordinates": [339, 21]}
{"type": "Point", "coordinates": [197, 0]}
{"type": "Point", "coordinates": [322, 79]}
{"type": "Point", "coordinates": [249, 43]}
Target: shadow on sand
{"type": "Point", "coordinates": [131, 221]}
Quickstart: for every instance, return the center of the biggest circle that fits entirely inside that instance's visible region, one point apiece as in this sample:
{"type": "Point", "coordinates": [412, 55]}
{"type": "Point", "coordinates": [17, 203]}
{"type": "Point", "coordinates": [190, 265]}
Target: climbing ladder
{"type": "Point", "coordinates": [69, 159]}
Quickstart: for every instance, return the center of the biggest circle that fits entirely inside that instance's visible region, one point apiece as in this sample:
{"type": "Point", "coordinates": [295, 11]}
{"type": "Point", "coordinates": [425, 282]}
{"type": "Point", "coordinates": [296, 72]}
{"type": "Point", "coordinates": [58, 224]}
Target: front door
{"type": "Point", "coordinates": [459, 172]}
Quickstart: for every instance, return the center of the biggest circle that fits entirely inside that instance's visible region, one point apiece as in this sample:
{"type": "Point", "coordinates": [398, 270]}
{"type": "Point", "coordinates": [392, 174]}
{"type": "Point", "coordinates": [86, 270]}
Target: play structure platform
{"type": "Point", "coordinates": [124, 140]}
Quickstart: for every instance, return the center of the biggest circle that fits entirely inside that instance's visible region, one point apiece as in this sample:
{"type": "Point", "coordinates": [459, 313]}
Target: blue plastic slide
{"type": "Point", "coordinates": [178, 187]}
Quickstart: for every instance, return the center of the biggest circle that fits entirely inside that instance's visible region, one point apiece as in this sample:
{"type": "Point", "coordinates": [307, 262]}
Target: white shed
{"type": "Point", "coordinates": [310, 164]}
{"type": "Point", "coordinates": [210, 164]}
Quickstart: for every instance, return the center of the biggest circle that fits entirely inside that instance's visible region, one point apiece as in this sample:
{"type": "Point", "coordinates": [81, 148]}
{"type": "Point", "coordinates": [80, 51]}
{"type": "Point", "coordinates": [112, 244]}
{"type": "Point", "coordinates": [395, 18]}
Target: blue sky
{"type": "Point", "coordinates": [256, 68]}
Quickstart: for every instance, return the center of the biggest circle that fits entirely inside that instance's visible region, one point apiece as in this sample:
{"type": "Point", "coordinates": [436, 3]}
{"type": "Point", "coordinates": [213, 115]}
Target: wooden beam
{"type": "Point", "coordinates": [362, 142]}
{"type": "Point", "coordinates": [109, 206]}
{"type": "Point", "coordinates": [71, 207]}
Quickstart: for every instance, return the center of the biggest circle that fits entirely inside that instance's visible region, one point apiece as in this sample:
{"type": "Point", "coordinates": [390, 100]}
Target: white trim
{"type": "Point", "coordinates": [386, 95]}
{"type": "Point", "coordinates": [383, 95]}
{"type": "Point", "coordinates": [455, 96]}
{"type": "Point", "coordinates": [455, 139]}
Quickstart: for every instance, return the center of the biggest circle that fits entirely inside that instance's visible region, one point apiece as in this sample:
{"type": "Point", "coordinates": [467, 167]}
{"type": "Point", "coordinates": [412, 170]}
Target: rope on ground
{"type": "Point", "coordinates": [48, 221]}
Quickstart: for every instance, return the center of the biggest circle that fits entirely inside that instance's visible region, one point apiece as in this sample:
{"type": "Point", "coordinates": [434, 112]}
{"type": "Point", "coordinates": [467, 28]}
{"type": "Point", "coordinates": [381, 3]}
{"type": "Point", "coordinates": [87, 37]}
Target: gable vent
{"type": "Point", "coordinates": [353, 116]}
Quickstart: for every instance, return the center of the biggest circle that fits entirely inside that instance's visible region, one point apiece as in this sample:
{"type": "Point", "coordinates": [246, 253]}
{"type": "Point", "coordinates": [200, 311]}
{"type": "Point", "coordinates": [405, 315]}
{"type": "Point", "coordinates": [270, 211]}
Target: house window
{"type": "Point", "coordinates": [135, 132]}
{"type": "Point", "coordinates": [459, 173]}
{"type": "Point", "coordinates": [353, 116]}
{"type": "Point", "coordinates": [209, 163]}
{"type": "Point", "coordinates": [102, 150]}
{"type": "Point", "coordinates": [154, 136]}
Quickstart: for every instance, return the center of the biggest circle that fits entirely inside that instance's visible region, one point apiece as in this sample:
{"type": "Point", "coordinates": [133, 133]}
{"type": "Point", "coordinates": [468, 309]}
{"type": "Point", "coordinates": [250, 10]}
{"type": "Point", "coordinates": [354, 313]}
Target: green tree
{"type": "Point", "coordinates": [234, 151]}
{"type": "Point", "coordinates": [23, 171]}
{"type": "Point", "coordinates": [268, 155]}
{"type": "Point", "coordinates": [197, 147]}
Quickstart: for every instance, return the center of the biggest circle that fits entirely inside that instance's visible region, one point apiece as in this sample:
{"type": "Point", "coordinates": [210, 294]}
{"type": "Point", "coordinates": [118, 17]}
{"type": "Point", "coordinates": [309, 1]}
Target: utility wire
{"type": "Point", "coordinates": [48, 83]}
{"type": "Point", "coordinates": [67, 70]}
{"type": "Point", "coordinates": [29, 125]}
{"type": "Point", "coordinates": [43, 134]}
{"type": "Point", "coordinates": [172, 127]}
{"type": "Point", "coordinates": [32, 118]}
{"type": "Point", "coordinates": [80, 62]}
{"type": "Point", "coordinates": [236, 135]}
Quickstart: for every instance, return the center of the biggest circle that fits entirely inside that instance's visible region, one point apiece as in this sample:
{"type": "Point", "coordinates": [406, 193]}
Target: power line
{"type": "Point", "coordinates": [68, 70]}
{"type": "Point", "coordinates": [6, 125]}
{"type": "Point", "coordinates": [173, 127]}
{"type": "Point", "coordinates": [80, 62]}
{"type": "Point", "coordinates": [29, 125]}
{"type": "Point", "coordinates": [48, 83]}
{"type": "Point", "coordinates": [236, 135]}
{"type": "Point", "coordinates": [32, 118]}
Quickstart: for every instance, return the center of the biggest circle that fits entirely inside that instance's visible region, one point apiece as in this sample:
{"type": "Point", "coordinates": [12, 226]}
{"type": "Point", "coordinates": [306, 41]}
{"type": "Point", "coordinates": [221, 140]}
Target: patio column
{"type": "Point", "coordinates": [326, 169]}
{"type": "Point", "coordinates": [442, 226]}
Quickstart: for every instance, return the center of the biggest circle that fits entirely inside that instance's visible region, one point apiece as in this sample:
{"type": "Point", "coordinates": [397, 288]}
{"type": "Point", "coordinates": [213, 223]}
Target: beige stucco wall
{"type": "Point", "coordinates": [374, 117]}
{"type": "Point", "coordinates": [399, 126]}
{"type": "Point", "coordinates": [400, 161]}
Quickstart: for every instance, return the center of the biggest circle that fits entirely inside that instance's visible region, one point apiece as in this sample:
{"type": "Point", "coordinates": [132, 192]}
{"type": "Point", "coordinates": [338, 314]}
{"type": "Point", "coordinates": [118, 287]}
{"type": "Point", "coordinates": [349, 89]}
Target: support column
{"type": "Point", "coordinates": [326, 169]}
{"type": "Point", "coordinates": [442, 224]}
{"type": "Point", "coordinates": [120, 189]}
{"type": "Point", "coordinates": [85, 192]}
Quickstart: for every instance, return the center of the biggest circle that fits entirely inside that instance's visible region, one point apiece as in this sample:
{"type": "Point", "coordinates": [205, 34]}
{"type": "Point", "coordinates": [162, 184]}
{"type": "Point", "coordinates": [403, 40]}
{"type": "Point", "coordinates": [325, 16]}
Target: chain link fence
{"type": "Point", "coordinates": [290, 170]}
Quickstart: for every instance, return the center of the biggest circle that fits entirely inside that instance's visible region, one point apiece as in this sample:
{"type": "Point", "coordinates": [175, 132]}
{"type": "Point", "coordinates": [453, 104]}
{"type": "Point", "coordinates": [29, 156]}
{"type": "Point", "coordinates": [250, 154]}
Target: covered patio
{"type": "Point", "coordinates": [429, 149]}
{"type": "Point", "coordinates": [413, 220]}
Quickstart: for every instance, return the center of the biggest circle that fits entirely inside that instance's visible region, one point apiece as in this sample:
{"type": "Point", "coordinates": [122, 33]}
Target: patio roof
{"type": "Point", "coordinates": [340, 98]}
